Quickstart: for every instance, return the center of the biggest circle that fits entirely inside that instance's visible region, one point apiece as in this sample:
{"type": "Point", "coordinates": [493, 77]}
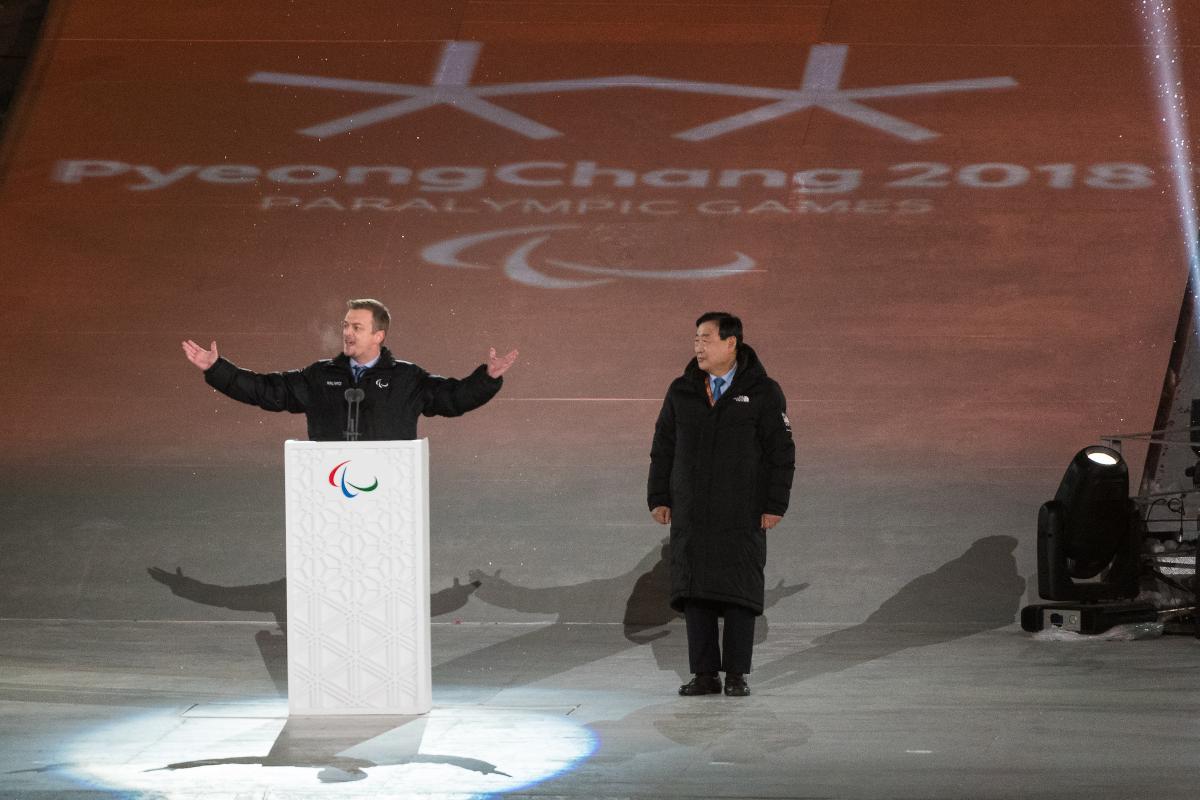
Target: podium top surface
{"type": "Point", "coordinates": [389, 444]}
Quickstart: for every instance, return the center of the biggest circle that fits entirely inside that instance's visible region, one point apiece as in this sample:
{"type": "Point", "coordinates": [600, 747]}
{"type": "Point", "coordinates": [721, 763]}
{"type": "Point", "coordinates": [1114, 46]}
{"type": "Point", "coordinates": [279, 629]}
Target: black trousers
{"type": "Point", "coordinates": [704, 644]}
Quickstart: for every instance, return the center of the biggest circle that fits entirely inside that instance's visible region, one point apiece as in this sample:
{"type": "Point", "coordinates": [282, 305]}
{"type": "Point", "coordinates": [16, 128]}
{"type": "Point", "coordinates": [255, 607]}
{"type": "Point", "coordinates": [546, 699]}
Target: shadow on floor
{"type": "Point", "coordinates": [979, 591]}
{"type": "Point", "coordinates": [343, 748]}
{"type": "Point", "coordinates": [639, 597]}
{"type": "Point", "coordinates": [976, 592]}
{"type": "Point", "coordinates": [271, 598]}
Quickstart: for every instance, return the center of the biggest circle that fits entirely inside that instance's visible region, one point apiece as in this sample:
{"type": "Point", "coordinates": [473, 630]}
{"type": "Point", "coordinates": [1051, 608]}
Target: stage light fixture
{"type": "Point", "coordinates": [1089, 539]}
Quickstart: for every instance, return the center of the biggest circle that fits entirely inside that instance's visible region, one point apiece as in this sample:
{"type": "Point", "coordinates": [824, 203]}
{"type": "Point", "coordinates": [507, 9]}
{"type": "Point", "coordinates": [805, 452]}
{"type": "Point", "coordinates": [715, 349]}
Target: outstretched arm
{"type": "Point", "coordinates": [451, 397]}
{"type": "Point", "coordinates": [276, 391]}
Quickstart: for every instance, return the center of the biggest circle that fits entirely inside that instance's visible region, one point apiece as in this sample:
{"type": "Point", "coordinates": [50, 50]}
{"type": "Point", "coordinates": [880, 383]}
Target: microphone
{"type": "Point", "coordinates": [353, 398]}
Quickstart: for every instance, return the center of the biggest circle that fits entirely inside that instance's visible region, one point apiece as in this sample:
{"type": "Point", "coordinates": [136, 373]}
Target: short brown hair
{"type": "Point", "coordinates": [381, 317]}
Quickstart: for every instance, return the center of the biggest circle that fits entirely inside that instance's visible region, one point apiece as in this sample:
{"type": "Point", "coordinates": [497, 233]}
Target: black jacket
{"type": "Point", "coordinates": [396, 393]}
{"type": "Point", "coordinates": [719, 469]}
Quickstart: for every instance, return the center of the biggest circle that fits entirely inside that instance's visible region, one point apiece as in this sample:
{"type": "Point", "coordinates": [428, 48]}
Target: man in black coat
{"type": "Point", "coordinates": [721, 476]}
{"type": "Point", "coordinates": [395, 393]}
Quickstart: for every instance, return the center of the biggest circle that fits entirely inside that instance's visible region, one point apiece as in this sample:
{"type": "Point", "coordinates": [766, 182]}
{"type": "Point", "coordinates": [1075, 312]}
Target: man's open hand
{"type": "Point", "coordinates": [199, 356]}
{"type": "Point", "coordinates": [496, 365]}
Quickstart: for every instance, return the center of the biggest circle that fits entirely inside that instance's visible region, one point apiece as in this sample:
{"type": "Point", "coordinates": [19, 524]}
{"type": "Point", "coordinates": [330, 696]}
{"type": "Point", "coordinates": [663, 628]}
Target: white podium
{"type": "Point", "coordinates": [358, 577]}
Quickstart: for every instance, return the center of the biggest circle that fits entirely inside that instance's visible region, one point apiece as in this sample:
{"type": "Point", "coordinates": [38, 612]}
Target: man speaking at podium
{"type": "Point", "coordinates": [393, 393]}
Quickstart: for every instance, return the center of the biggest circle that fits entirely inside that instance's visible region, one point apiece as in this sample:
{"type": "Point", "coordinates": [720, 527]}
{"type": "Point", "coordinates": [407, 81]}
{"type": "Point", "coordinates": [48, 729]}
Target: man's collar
{"type": "Point", "coordinates": [725, 377]}
{"type": "Point", "coordinates": [368, 364]}
{"type": "Point", "coordinates": [385, 357]}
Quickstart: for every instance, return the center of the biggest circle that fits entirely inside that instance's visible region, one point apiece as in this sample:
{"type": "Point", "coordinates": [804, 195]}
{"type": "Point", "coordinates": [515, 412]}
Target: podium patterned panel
{"type": "Point", "coordinates": [358, 578]}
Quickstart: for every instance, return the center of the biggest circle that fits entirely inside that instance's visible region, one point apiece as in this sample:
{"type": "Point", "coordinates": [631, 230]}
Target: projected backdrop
{"type": "Point", "coordinates": [955, 245]}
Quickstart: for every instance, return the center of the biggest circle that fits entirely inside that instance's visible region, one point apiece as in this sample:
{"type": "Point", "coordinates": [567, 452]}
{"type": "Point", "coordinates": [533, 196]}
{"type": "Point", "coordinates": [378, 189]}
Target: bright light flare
{"type": "Point", "coordinates": [1103, 459]}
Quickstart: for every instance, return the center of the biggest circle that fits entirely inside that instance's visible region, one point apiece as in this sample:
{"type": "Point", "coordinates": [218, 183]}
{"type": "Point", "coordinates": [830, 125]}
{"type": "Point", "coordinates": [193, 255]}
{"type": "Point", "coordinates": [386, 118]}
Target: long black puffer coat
{"type": "Point", "coordinates": [395, 393]}
{"type": "Point", "coordinates": [719, 469]}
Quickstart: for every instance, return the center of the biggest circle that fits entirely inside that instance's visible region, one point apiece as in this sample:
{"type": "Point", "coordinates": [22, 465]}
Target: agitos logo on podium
{"type": "Point", "coordinates": [338, 480]}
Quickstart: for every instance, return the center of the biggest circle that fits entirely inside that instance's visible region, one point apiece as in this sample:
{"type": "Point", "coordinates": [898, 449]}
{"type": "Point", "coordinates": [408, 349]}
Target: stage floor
{"type": "Point", "coordinates": [182, 710]}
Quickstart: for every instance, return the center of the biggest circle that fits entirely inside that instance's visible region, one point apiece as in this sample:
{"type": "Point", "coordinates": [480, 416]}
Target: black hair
{"type": "Point", "coordinates": [727, 324]}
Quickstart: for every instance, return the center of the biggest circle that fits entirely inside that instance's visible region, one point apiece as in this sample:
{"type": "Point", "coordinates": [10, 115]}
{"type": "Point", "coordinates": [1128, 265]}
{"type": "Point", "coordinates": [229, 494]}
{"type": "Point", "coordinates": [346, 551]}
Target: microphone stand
{"type": "Point", "coordinates": [353, 398]}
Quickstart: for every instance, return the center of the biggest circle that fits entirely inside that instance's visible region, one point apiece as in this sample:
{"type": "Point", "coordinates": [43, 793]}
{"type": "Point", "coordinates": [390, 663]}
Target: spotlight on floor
{"type": "Point", "coordinates": [1089, 537]}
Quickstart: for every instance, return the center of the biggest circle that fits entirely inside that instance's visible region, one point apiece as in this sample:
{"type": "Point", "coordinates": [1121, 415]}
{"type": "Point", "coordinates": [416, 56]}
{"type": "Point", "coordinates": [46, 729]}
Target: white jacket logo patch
{"type": "Point", "coordinates": [741, 398]}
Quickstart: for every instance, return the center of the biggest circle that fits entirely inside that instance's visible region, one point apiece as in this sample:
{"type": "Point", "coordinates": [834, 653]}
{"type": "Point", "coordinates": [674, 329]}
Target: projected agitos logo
{"type": "Point", "coordinates": [451, 86]}
{"type": "Point", "coordinates": [518, 267]}
{"type": "Point", "coordinates": [338, 480]}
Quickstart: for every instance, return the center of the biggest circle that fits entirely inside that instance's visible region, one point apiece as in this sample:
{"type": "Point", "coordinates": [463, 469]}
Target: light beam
{"type": "Point", "coordinates": [1162, 36]}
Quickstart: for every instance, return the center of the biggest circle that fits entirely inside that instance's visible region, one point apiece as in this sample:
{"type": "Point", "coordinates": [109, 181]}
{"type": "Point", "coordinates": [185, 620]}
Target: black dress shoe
{"type": "Point", "coordinates": [735, 685]}
{"type": "Point", "coordinates": [703, 683]}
